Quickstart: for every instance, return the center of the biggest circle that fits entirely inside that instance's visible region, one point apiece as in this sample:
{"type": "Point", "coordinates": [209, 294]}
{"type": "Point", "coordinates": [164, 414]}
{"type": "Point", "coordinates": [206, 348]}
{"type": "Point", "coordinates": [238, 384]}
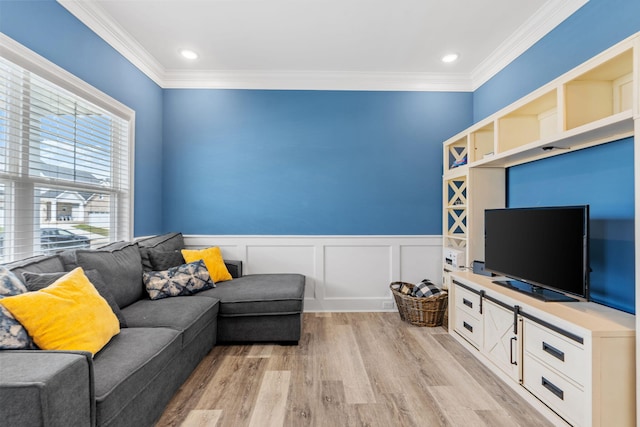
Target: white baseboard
{"type": "Point", "coordinates": [344, 273]}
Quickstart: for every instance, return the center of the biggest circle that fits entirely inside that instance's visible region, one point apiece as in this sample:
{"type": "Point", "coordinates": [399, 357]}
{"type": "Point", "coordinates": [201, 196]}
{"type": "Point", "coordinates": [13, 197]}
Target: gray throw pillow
{"type": "Point", "coordinates": [164, 242]}
{"type": "Point", "coordinates": [163, 260]}
{"type": "Point", "coordinates": [36, 281]}
{"type": "Point", "coordinates": [186, 279]}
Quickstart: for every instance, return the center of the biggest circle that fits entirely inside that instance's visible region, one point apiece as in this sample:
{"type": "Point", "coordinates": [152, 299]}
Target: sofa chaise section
{"type": "Point", "coordinates": [260, 308]}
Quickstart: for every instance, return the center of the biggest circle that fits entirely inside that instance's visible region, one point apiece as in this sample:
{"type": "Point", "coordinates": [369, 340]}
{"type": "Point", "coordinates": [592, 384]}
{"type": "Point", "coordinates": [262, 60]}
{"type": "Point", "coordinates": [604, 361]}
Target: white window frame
{"type": "Point", "coordinates": [121, 222]}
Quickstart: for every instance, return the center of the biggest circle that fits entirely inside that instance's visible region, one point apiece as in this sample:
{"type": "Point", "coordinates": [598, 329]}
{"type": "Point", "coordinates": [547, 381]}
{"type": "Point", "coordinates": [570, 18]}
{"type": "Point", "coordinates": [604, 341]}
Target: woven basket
{"type": "Point", "coordinates": [420, 311]}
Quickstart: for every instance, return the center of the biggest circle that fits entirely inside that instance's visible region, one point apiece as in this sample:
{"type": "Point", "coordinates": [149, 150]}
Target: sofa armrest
{"type": "Point", "coordinates": [234, 267]}
{"type": "Point", "coordinates": [46, 388]}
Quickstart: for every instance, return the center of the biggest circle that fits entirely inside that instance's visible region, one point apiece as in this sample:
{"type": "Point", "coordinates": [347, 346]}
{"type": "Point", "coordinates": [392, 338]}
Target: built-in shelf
{"type": "Point", "coordinates": [590, 105]}
{"type": "Point", "coordinates": [595, 103]}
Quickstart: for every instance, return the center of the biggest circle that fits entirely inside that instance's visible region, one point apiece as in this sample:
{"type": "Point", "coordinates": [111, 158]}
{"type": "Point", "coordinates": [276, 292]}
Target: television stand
{"type": "Point", "coordinates": [534, 291]}
{"type": "Point", "coordinates": [575, 362]}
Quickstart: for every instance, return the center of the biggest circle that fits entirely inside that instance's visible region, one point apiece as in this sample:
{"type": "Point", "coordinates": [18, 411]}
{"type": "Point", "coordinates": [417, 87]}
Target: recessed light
{"type": "Point", "coordinates": [450, 57]}
{"type": "Point", "coordinates": [189, 54]}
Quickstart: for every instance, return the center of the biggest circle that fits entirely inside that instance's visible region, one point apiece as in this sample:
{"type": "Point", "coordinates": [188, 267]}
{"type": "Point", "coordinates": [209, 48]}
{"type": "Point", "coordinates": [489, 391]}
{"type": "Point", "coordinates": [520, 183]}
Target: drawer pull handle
{"type": "Point", "coordinates": [511, 352]}
{"type": "Point", "coordinates": [467, 326]}
{"type": "Point", "coordinates": [553, 388]}
{"type": "Point", "coordinates": [467, 302]}
{"type": "Point", "coordinates": [553, 351]}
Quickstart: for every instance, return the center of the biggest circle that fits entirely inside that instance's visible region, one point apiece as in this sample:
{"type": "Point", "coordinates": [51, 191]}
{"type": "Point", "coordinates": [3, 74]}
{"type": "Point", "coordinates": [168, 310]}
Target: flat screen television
{"type": "Point", "coordinates": [543, 251]}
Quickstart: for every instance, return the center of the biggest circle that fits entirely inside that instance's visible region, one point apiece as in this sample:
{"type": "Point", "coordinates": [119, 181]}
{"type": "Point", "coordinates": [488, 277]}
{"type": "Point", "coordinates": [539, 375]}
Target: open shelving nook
{"type": "Point", "coordinates": [595, 103]}
{"type": "Point", "coordinates": [592, 104]}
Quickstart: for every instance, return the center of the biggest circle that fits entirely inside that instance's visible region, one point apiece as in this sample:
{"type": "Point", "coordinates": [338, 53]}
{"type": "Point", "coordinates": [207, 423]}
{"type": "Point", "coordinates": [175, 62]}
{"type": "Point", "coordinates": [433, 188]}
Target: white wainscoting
{"type": "Point", "coordinates": [344, 273]}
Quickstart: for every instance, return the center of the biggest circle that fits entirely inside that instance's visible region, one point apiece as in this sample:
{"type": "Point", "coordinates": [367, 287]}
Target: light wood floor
{"type": "Point", "coordinates": [350, 369]}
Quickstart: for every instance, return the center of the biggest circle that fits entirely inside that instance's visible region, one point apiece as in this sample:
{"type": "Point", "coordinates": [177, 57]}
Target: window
{"type": "Point", "coordinates": [65, 150]}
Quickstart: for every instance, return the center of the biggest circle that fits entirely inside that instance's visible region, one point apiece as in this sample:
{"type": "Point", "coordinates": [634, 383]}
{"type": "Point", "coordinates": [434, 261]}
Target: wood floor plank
{"type": "Point", "coordinates": [497, 418]}
{"type": "Point", "coordinates": [332, 409]}
{"type": "Point", "coordinates": [349, 369]}
{"type": "Point", "coordinates": [202, 418]}
{"type": "Point", "coordinates": [271, 403]}
{"type": "Point", "coordinates": [260, 350]}
{"type": "Point", "coordinates": [521, 411]}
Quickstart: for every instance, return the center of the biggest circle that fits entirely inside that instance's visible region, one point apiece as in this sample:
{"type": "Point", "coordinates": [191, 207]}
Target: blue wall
{"type": "Point", "coordinates": [595, 27]}
{"type": "Point", "coordinates": [600, 176]}
{"type": "Point", "coordinates": [48, 29]}
{"type": "Point", "coordinates": [608, 189]}
{"type": "Point", "coordinates": [307, 162]}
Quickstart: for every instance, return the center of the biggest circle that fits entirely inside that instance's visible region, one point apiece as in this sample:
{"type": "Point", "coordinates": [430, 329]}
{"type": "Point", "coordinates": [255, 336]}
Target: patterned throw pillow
{"type": "Point", "coordinates": [10, 284]}
{"type": "Point", "coordinates": [406, 289]}
{"type": "Point", "coordinates": [426, 289]}
{"type": "Point", "coordinates": [186, 279]}
{"type": "Point", "coordinates": [13, 336]}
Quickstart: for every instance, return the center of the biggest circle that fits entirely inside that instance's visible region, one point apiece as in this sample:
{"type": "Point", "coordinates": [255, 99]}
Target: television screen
{"type": "Point", "coordinates": [546, 247]}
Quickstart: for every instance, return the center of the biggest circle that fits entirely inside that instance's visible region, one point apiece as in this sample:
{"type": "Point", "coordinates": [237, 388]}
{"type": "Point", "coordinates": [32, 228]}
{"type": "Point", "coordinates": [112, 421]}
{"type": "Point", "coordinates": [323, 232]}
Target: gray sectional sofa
{"type": "Point", "coordinates": [130, 381]}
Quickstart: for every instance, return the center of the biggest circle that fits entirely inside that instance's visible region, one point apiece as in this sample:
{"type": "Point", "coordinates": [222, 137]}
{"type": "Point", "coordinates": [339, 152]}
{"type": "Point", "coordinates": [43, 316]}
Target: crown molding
{"type": "Point", "coordinates": [93, 16]}
{"type": "Point", "coordinates": [325, 80]}
{"type": "Point", "coordinates": [540, 24]}
{"type": "Point", "coordinates": [549, 16]}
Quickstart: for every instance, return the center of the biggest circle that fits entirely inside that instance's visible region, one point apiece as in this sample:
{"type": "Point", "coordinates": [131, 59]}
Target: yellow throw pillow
{"type": "Point", "coordinates": [69, 314]}
{"type": "Point", "coordinates": [212, 258]}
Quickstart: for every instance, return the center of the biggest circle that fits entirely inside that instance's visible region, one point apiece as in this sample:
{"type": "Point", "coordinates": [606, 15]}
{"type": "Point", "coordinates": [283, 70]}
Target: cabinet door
{"type": "Point", "coordinates": [501, 345]}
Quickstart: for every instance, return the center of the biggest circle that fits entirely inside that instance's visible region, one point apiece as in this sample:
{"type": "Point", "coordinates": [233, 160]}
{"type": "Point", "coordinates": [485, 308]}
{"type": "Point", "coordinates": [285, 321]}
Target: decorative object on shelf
{"type": "Point", "coordinates": [461, 162]}
{"type": "Point", "coordinates": [420, 311]}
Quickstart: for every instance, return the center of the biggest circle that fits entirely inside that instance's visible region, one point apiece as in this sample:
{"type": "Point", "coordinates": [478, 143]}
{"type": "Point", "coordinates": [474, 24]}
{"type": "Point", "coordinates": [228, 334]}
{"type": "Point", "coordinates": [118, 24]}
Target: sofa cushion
{"type": "Point", "coordinates": [37, 264]}
{"type": "Point", "coordinates": [128, 364]}
{"type": "Point", "coordinates": [68, 315]}
{"type": "Point", "coordinates": [164, 242]}
{"type": "Point", "coordinates": [212, 258]}
{"type": "Point", "coordinates": [183, 280]}
{"type": "Point", "coordinates": [121, 270]}
{"type": "Point", "coordinates": [257, 294]}
{"type": "Point", "coordinates": [188, 315]}
{"type": "Point", "coordinates": [37, 281]}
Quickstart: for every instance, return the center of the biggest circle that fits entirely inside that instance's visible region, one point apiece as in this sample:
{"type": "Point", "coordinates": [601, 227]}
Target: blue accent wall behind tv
{"type": "Point", "coordinates": [51, 31]}
{"type": "Point", "coordinates": [608, 189]}
{"type": "Point", "coordinates": [307, 162]}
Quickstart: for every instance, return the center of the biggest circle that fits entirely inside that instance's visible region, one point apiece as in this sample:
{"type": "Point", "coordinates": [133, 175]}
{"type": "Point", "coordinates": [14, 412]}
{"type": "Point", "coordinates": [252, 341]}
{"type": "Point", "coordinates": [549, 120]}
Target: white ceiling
{"type": "Point", "coordinates": [322, 44]}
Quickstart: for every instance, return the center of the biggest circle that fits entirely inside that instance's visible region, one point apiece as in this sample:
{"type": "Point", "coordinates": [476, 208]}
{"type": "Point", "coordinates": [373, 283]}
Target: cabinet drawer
{"type": "Point", "coordinates": [469, 327]}
{"type": "Point", "coordinates": [558, 352]}
{"type": "Point", "coordinates": [555, 391]}
{"type": "Point", "coordinates": [467, 301]}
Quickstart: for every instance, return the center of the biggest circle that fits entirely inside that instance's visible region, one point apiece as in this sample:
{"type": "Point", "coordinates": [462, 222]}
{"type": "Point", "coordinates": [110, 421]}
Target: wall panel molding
{"type": "Point", "coordinates": [344, 273]}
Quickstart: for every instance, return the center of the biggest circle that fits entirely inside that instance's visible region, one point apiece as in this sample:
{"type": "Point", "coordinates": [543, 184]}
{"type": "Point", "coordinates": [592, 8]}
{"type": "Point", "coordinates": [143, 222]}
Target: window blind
{"type": "Point", "coordinates": [64, 166]}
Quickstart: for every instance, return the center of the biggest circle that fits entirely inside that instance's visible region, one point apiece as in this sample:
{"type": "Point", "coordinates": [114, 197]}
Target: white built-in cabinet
{"type": "Point", "coordinates": [500, 341]}
{"type": "Point", "coordinates": [574, 361]}
{"type": "Point", "coordinates": [595, 383]}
